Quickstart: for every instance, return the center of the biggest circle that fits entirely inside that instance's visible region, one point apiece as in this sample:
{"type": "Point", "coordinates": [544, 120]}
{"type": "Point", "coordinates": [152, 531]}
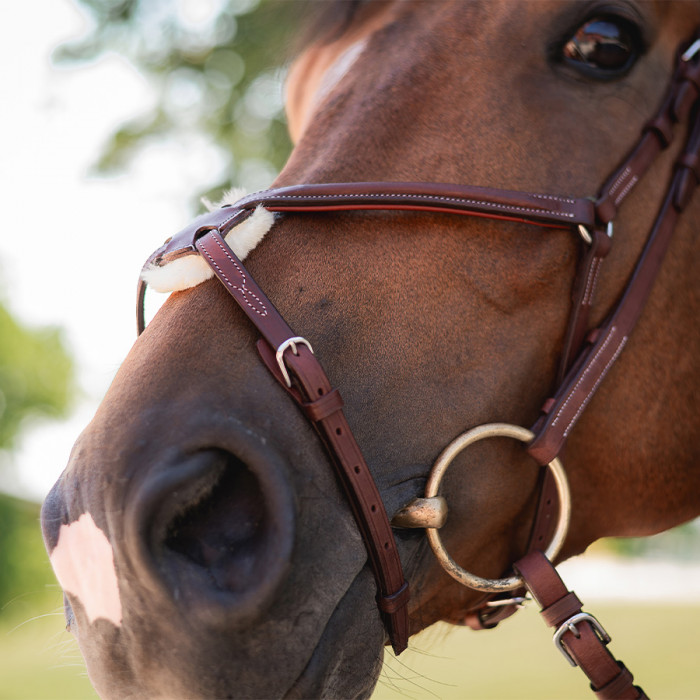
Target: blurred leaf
{"type": "Point", "coordinates": [35, 375]}
{"type": "Point", "coordinates": [217, 68]}
{"type": "Point", "coordinates": [36, 380]}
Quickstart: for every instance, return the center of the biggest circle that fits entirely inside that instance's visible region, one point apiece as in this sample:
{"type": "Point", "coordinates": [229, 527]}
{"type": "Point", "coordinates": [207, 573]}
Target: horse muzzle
{"type": "Point", "coordinates": [216, 531]}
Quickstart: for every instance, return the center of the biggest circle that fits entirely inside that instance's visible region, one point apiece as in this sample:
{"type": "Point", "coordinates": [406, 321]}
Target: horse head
{"type": "Point", "coordinates": [204, 543]}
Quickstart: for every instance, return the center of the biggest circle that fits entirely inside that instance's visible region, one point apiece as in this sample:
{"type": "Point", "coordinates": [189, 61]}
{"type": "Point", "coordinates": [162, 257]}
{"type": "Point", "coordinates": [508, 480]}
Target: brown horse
{"type": "Point", "coordinates": [204, 543]}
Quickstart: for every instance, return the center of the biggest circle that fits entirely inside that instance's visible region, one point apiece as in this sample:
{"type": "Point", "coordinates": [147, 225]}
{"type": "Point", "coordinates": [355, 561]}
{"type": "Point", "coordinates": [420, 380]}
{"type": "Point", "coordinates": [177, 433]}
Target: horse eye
{"type": "Point", "coordinates": [606, 46]}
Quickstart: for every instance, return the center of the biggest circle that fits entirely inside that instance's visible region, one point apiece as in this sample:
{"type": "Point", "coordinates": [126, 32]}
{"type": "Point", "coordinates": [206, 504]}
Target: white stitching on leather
{"type": "Point", "coordinates": [591, 282]}
{"type": "Point", "coordinates": [624, 192]}
{"type": "Point", "coordinates": [242, 289]}
{"type": "Point", "coordinates": [554, 198]}
{"type": "Point", "coordinates": [595, 386]}
{"type": "Point", "coordinates": [621, 178]}
{"type": "Point", "coordinates": [582, 378]}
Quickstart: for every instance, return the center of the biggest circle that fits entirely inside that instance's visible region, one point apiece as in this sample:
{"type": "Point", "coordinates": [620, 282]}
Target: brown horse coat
{"type": "Point", "coordinates": [239, 566]}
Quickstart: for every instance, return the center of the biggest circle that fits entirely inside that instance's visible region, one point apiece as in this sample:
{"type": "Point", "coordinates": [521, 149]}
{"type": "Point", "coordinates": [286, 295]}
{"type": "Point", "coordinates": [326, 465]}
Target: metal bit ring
{"type": "Point", "coordinates": [482, 432]}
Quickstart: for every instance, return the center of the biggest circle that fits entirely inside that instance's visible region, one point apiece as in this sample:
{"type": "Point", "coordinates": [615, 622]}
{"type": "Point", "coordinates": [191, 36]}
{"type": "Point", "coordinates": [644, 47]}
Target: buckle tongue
{"type": "Point", "coordinates": [279, 355]}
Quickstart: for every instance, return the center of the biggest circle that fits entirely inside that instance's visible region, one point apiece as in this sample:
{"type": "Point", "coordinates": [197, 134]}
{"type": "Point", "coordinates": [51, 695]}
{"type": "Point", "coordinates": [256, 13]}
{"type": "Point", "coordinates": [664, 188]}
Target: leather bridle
{"type": "Point", "coordinates": [586, 358]}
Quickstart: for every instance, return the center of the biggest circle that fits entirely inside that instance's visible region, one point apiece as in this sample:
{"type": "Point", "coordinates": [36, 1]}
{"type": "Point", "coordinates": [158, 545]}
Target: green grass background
{"type": "Point", "coordinates": [40, 661]}
{"type": "Point", "coordinates": [517, 661]}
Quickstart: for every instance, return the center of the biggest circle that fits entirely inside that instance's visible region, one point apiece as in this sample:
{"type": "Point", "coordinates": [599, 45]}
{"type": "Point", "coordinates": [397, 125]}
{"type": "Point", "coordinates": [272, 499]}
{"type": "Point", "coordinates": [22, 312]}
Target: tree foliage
{"type": "Point", "coordinates": [217, 69]}
{"type": "Point", "coordinates": [36, 376]}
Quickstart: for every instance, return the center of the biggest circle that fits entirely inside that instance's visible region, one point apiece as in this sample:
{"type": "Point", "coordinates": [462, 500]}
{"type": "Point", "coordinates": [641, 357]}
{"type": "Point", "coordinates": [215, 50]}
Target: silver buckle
{"type": "Point", "coordinates": [570, 626]}
{"type": "Point", "coordinates": [586, 234]}
{"type": "Point", "coordinates": [279, 355]}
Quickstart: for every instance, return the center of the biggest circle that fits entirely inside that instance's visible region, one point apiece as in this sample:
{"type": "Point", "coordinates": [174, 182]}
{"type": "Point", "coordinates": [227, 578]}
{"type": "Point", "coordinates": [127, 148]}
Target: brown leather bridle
{"type": "Point", "coordinates": [586, 358]}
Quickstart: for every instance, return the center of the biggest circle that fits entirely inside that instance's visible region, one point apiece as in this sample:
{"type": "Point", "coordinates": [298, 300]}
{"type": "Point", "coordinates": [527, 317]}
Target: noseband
{"type": "Point", "coordinates": [586, 358]}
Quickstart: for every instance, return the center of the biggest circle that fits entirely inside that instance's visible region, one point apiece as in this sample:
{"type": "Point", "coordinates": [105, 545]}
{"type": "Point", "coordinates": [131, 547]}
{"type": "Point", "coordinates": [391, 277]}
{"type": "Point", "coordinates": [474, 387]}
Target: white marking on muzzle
{"type": "Point", "coordinates": [191, 270]}
{"type": "Point", "coordinates": [83, 561]}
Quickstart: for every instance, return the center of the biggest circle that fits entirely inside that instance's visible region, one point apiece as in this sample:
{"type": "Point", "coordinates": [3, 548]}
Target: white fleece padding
{"type": "Point", "coordinates": [191, 270]}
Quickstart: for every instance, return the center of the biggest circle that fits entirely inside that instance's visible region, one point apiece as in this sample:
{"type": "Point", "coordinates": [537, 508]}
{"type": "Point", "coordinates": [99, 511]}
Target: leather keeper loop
{"type": "Point", "coordinates": [624, 681]}
{"type": "Point", "coordinates": [395, 601]}
{"type": "Point", "coordinates": [691, 161]}
{"type": "Point", "coordinates": [605, 210]}
{"type": "Point", "coordinates": [562, 610]}
{"type": "Point", "coordinates": [662, 126]}
{"type": "Point", "coordinates": [548, 405]}
{"type": "Point", "coordinates": [685, 97]}
{"type": "Point", "coordinates": [684, 187]}
{"type": "Point", "coordinates": [323, 407]}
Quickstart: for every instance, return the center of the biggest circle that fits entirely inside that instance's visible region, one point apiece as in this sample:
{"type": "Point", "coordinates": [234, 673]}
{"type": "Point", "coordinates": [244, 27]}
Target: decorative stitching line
{"type": "Point", "coordinates": [554, 198]}
{"type": "Point", "coordinates": [620, 179]}
{"type": "Point", "coordinates": [242, 289]}
{"type": "Point", "coordinates": [583, 377]}
{"type": "Point", "coordinates": [624, 192]}
{"type": "Point", "coordinates": [236, 212]}
{"type": "Point", "coordinates": [439, 198]}
{"type": "Point", "coordinates": [591, 282]}
{"type": "Point", "coordinates": [622, 344]}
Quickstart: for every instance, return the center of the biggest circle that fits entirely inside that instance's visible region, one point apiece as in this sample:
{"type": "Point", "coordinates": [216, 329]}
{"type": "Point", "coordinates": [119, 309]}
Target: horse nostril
{"type": "Point", "coordinates": [227, 529]}
{"type": "Point", "coordinates": [219, 530]}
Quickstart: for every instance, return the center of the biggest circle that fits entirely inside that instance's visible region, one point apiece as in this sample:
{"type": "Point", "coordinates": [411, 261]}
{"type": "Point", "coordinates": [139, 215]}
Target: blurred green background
{"type": "Point", "coordinates": [216, 68]}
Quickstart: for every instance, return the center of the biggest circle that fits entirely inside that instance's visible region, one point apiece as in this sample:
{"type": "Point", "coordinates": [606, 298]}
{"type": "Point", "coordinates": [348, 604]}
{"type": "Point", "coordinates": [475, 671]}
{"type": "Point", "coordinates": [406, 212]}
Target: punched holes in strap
{"type": "Point", "coordinates": [326, 414]}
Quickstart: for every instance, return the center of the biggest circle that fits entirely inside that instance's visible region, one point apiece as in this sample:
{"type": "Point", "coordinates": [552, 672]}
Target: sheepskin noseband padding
{"type": "Point", "coordinates": [191, 270]}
